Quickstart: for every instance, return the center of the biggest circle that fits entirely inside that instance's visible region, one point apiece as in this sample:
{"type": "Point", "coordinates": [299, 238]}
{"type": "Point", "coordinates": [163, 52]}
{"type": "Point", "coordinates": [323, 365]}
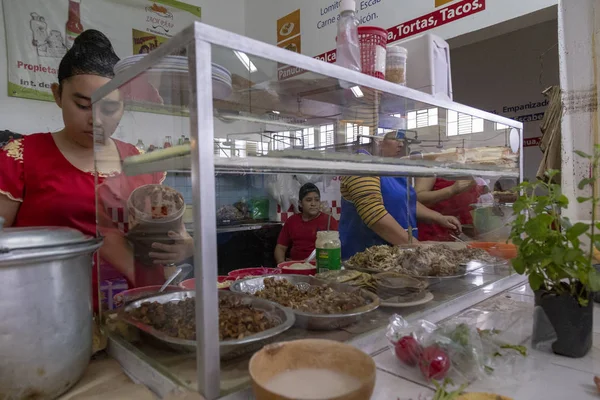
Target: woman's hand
{"type": "Point", "coordinates": [459, 187]}
{"type": "Point", "coordinates": [182, 249]}
{"type": "Point", "coordinates": [449, 222]}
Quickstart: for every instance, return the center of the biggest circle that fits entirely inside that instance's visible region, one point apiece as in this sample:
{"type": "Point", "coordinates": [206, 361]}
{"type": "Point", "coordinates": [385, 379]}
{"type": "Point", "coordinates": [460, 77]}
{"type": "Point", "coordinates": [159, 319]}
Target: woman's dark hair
{"type": "Point", "coordinates": [91, 54]}
{"type": "Point", "coordinates": [308, 188]}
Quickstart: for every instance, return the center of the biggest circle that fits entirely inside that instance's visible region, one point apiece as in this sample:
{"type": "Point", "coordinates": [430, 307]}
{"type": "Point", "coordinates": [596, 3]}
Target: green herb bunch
{"type": "Point", "coordinates": [550, 248]}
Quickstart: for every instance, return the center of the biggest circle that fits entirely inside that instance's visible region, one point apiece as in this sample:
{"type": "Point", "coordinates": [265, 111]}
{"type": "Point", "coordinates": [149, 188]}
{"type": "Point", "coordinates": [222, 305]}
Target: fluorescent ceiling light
{"type": "Point", "coordinates": [246, 61]}
{"type": "Point", "coordinates": [357, 92]}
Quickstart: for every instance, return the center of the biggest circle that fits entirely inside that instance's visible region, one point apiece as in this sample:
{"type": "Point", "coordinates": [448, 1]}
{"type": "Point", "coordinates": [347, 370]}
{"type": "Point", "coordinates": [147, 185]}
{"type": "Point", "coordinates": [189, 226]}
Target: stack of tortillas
{"type": "Point", "coordinates": [482, 396]}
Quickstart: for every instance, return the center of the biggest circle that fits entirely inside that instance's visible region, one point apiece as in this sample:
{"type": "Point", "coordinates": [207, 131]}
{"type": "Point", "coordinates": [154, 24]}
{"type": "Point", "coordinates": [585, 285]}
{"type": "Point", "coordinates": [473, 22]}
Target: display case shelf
{"type": "Point", "coordinates": [393, 95]}
{"type": "Point", "coordinates": [343, 165]}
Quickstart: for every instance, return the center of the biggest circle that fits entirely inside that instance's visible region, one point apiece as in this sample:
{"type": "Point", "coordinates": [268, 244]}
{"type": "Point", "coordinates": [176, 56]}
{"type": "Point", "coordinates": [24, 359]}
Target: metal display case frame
{"type": "Point", "coordinates": [199, 39]}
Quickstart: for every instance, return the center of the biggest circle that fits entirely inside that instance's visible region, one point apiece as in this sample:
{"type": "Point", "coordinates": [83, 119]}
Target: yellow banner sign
{"type": "Point", "coordinates": [288, 26]}
{"type": "Point", "coordinates": [439, 3]}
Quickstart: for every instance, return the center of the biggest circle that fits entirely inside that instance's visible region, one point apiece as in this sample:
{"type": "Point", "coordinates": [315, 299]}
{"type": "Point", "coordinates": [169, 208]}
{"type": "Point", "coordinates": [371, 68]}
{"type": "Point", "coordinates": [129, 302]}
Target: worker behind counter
{"type": "Point", "coordinates": [378, 210]}
{"type": "Point", "coordinates": [300, 230]}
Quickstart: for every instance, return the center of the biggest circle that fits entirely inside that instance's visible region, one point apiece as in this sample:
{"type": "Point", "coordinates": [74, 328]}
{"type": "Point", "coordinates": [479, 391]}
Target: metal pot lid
{"type": "Point", "coordinates": [13, 239]}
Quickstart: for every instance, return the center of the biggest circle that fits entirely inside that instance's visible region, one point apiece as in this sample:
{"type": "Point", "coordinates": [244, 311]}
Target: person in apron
{"type": "Point", "coordinates": [446, 197]}
{"type": "Point", "coordinates": [383, 210]}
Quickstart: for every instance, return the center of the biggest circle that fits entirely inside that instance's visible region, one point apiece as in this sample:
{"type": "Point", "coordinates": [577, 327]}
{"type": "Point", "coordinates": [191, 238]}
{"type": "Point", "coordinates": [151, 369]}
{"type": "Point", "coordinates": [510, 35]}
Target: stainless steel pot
{"type": "Point", "coordinates": [45, 310]}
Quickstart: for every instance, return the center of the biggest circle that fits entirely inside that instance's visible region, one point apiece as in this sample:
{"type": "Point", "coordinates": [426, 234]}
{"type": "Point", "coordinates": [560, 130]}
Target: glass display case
{"type": "Point", "coordinates": [212, 134]}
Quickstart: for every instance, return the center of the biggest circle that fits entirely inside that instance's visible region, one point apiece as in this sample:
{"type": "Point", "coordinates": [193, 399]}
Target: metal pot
{"type": "Point", "coordinates": [45, 310]}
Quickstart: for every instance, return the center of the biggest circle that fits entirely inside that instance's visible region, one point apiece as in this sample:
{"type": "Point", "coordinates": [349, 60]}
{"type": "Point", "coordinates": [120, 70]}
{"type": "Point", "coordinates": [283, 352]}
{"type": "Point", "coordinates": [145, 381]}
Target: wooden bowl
{"type": "Point", "coordinates": [315, 354]}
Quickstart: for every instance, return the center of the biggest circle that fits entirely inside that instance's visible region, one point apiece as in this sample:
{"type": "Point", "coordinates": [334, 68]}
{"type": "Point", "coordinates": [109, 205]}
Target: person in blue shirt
{"type": "Point", "coordinates": [383, 210]}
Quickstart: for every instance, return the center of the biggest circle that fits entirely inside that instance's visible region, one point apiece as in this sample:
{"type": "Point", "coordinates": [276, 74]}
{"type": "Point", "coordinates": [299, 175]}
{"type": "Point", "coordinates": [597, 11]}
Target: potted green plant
{"type": "Point", "coordinates": [553, 254]}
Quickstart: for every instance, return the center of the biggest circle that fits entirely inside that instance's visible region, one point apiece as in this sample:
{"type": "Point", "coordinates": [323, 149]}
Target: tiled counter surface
{"type": "Point", "coordinates": [540, 375]}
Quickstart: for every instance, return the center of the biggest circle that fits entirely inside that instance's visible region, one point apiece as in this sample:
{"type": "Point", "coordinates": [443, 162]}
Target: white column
{"type": "Point", "coordinates": [578, 47]}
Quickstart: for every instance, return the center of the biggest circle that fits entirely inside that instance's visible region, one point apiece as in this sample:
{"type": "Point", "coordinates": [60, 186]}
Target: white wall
{"type": "Point", "coordinates": [29, 116]}
{"type": "Point", "coordinates": [509, 70]}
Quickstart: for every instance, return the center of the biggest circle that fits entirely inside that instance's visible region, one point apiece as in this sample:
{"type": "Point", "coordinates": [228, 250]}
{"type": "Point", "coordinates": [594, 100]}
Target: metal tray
{"type": "Point", "coordinates": [310, 320]}
{"type": "Point", "coordinates": [229, 349]}
{"type": "Point", "coordinates": [463, 271]}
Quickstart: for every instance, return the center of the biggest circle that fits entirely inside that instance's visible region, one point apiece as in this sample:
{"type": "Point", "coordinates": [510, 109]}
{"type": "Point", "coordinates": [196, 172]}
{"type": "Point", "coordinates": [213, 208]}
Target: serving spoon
{"type": "Point", "coordinates": [183, 270]}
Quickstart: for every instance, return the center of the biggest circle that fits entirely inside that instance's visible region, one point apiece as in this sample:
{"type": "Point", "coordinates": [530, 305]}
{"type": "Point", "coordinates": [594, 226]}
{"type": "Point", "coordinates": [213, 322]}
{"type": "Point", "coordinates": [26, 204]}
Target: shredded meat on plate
{"type": "Point", "coordinates": [315, 299]}
{"type": "Point", "coordinates": [178, 319]}
{"type": "Point", "coordinates": [421, 261]}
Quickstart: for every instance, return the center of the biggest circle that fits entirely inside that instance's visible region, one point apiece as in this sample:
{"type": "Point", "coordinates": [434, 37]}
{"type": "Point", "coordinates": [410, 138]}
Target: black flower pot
{"type": "Point", "coordinates": [564, 316]}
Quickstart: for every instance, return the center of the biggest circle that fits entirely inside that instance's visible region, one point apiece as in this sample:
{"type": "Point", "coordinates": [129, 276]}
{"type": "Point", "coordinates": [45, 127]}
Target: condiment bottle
{"type": "Point", "coordinates": [168, 142]}
{"type": "Point", "coordinates": [395, 67]}
{"type": "Point", "coordinates": [329, 251]}
{"type": "Point", "coordinates": [73, 27]}
{"type": "Point", "coordinates": [347, 43]}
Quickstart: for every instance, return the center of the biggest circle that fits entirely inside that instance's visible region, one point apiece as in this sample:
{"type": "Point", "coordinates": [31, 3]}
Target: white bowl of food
{"type": "Point", "coordinates": [298, 267]}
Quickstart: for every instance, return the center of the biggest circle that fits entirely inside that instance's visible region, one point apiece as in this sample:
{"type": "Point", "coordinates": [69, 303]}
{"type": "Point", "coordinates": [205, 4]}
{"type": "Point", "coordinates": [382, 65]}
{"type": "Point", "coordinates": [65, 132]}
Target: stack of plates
{"type": "Point", "coordinates": [397, 290]}
{"type": "Point", "coordinates": [175, 69]}
{"type": "Point", "coordinates": [221, 78]}
{"type": "Point", "coordinates": [175, 64]}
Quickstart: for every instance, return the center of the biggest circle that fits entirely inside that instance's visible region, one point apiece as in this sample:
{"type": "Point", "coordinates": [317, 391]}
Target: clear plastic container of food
{"type": "Point", "coordinates": [329, 251]}
{"type": "Point", "coordinates": [395, 66]}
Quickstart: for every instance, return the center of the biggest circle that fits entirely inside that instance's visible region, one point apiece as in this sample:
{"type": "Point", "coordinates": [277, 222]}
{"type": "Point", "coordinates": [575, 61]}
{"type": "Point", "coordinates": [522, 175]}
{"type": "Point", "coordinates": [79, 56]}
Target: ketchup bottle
{"type": "Point", "coordinates": [73, 27]}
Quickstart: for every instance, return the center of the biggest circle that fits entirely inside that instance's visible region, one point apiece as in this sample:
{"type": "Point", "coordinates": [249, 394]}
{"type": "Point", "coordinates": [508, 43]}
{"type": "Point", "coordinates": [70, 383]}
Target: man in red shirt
{"type": "Point", "coordinates": [300, 230]}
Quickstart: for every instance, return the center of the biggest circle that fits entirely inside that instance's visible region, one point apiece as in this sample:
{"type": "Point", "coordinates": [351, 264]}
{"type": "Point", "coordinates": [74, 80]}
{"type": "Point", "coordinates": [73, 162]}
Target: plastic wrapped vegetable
{"type": "Point", "coordinates": [457, 350]}
{"type": "Point", "coordinates": [439, 352]}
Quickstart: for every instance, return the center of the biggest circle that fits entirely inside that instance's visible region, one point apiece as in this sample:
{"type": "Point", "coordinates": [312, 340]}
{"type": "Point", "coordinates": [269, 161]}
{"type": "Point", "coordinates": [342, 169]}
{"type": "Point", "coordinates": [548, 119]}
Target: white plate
{"type": "Point", "coordinates": [220, 73]}
{"type": "Point", "coordinates": [169, 62]}
{"type": "Point", "coordinates": [428, 297]}
{"type": "Point", "coordinates": [220, 78]}
{"type": "Point", "coordinates": [167, 71]}
{"type": "Point", "coordinates": [136, 57]}
{"type": "Point", "coordinates": [156, 66]}
{"type": "Point", "coordinates": [181, 71]}
{"type": "Point", "coordinates": [221, 68]}
{"type": "Point", "coordinates": [221, 89]}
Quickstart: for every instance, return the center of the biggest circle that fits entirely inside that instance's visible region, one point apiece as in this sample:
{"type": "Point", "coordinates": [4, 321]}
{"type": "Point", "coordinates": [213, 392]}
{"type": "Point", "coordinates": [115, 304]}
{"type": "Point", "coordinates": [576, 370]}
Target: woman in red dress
{"type": "Point", "coordinates": [300, 230]}
{"type": "Point", "coordinates": [48, 179]}
{"type": "Point", "coordinates": [448, 198]}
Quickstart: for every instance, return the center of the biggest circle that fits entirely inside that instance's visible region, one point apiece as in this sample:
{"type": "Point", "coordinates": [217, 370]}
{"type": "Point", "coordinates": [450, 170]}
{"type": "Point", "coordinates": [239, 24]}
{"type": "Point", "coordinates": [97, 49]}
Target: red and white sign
{"type": "Point", "coordinates": [439, 17]}
{"type": "Point", "coordinates": [288, 71]}
{"type": "Point", "coordinates": [530, 142]}
{"type": "Point", "coordinates": [434, 19]}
